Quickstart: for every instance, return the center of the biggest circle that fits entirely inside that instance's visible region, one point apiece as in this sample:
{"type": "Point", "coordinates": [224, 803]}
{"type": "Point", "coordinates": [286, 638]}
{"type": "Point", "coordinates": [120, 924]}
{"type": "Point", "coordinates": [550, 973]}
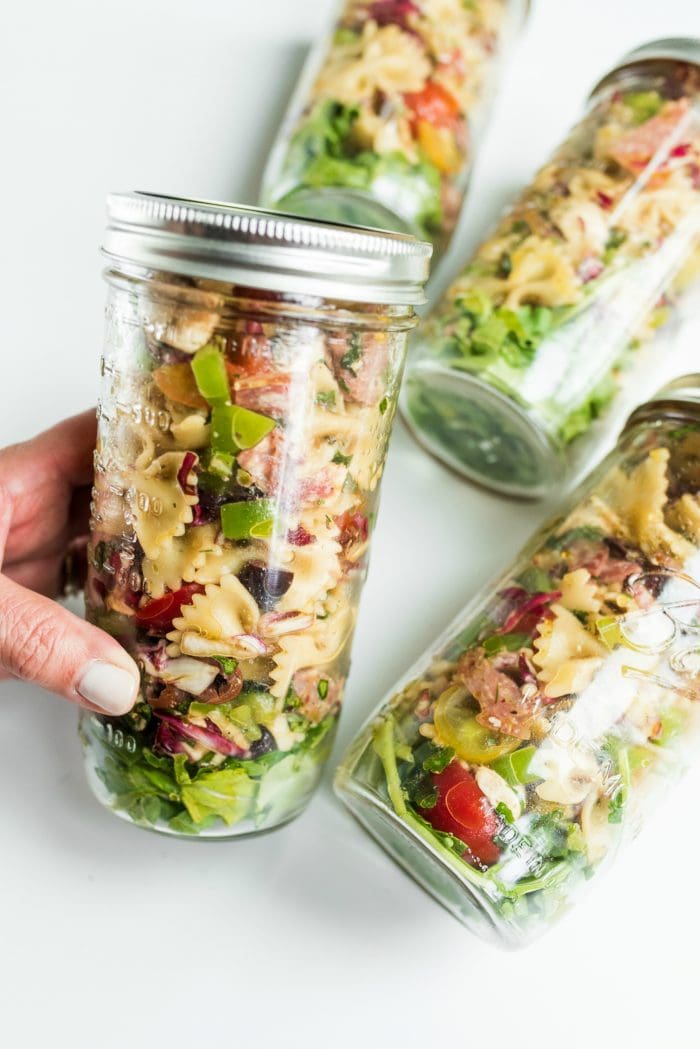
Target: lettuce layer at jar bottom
{"type": "Point", "coordinates": [524, 752]}
{"type": "Point", "coordinates": [170, 794]}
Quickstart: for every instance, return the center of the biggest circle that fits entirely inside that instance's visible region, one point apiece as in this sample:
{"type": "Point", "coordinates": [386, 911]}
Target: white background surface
{"type": "Point", "coordinates": [309, 936]}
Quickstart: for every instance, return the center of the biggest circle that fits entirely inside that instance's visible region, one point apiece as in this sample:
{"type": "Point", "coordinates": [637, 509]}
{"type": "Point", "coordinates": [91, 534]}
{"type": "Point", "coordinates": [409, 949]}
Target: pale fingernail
{"type": "Point", "coordinates": [108, 687]}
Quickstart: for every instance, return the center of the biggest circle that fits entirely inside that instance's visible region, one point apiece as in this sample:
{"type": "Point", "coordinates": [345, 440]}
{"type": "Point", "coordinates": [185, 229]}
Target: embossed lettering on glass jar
{"type": "Point", "coordinates": [526, 745]}
{"type": "Point", "coordinates": [249, 383]}
{"type": "Point", "coordinates": [540, 334]}
{"type": "Point", "coordinates": [388, 113]}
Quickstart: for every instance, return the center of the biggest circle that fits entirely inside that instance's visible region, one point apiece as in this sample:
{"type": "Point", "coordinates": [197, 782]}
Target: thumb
{"type": "Point", "coordinates": [42, 642]}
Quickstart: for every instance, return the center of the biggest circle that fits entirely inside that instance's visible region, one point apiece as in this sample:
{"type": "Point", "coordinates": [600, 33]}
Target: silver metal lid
{"type": "Point", "coordinates": [667, 49]}
{"type": "Point", "coordinates": [265, 249]}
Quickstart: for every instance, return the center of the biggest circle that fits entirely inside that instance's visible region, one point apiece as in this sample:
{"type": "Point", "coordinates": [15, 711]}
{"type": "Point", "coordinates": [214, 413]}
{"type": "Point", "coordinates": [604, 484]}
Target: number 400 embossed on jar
{"type": "Point", "coordinates": [249, 384]}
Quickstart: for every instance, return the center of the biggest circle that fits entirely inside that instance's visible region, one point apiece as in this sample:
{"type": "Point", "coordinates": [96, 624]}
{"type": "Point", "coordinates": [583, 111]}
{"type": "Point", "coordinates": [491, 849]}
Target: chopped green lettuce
{"type": "Point", "coordinates": [644, 104]}
{"type": "Point", "coordinates": [322, 152]}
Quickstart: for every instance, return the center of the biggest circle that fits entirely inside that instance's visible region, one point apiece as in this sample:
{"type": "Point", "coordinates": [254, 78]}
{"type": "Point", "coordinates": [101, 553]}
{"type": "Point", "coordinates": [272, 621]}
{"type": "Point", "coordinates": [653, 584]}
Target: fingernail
{"type": "Point", "coordinates": [108, 687]}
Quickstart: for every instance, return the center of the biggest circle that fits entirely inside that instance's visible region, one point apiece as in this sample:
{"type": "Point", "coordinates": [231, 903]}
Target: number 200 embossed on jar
{"type": "Point", "coordinates": [250, 376]}
{"type": "Point", "coordinates": [528, 742]}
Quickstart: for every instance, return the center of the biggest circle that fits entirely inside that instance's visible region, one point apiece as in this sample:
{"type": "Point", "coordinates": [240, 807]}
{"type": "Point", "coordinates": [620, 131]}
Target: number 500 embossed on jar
{"type": "Point", "coordinates": [530, 740]}
{"type": "Point", "coordinates": [250, 378]}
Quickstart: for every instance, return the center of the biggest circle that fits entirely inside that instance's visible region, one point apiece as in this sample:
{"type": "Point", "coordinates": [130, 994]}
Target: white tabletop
{"type": "Point", "coordinates": [309, 936]}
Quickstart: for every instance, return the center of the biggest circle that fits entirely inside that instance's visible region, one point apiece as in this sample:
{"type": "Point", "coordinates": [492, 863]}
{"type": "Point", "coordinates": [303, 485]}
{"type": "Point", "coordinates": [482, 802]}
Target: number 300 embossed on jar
{"type": "Point", "coordinates": [249, 384]}
{"type": "Point", "coordinates": [526, 745]}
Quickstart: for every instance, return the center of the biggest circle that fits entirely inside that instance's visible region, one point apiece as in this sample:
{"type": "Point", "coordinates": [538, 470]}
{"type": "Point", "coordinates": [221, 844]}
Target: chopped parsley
{"type": "Point", "coordinates": [227, 664]}
{"type": "Point", "coordinates": [352, 355]}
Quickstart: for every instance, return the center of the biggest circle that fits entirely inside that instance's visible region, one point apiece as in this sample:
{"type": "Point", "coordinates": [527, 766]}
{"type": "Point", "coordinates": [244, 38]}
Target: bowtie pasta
{"type": "Point", "coordinates": [537, 334]}
{"type": "Point", "coordinates": [237, 471]}
{"type": "Point", "coordinates": [525, 746]}
{"type": "Point", "coordinates": [386, 133]}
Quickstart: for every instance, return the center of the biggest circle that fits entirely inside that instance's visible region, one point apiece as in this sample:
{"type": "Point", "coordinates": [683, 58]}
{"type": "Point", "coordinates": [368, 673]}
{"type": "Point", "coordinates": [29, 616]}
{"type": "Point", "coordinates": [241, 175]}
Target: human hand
{"type": "Point", "coordinates": [44, 508]}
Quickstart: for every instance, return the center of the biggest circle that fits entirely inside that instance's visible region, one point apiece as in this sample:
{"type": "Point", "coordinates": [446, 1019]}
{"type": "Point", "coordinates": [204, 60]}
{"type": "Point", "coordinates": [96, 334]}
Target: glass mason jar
{"type": "Point", "coordinates": [540, 333]}
{"type": "Point", "coordinates": [249, 383]}
{"type": "Point", "coordinates": [525, 746]}
{"type": "Point", "coordinates": [388, 112]}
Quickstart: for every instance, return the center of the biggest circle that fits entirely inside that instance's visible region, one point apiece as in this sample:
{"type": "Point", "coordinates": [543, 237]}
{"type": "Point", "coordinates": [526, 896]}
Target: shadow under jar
{"type": "Point", "coordinates": [249, 383]}
{"type": "Point", "coordinates": [383, 126]}
{"type": "Point", "coordinates": [540, 334]}
{"type": "Point", "coordinates": [529, 741]}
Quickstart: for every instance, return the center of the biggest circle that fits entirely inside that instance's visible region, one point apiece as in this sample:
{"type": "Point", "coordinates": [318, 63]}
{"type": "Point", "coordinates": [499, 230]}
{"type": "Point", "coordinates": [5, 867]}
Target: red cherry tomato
{"type": "Point", "coordinates": [157, 615]}
{"type": "Point", "coordinates": [434, 104]}
{"type": "Point", "coordinates": [464, 811]}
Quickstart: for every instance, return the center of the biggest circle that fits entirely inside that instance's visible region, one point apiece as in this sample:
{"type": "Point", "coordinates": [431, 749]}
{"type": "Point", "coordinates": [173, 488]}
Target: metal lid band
{"type": "Point", "coordinates": [266, 249]}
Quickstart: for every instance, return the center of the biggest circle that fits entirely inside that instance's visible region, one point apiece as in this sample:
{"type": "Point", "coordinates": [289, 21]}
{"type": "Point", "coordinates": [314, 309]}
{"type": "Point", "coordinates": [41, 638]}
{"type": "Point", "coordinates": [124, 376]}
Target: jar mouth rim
{"type": "Point", "coordinates": [681, 396]}
{"type": "Point", "coordinates": [265, 249]}
{"type": "Point", "coordinates": [521, 425]}
{"type": "Point", "coordinates": [682, 49]}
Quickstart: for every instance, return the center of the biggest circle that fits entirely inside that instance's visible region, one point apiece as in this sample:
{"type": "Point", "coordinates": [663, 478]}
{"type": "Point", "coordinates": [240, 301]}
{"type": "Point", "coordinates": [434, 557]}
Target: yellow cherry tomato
{"type": "Point", "coordinates": [440, 147]}
{"type": "Point", "coordinates": [457, 727]}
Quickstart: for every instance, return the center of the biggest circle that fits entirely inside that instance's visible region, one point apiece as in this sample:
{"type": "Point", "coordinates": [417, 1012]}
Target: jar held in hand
{"type": "Point", "coordinates": [250, 377]}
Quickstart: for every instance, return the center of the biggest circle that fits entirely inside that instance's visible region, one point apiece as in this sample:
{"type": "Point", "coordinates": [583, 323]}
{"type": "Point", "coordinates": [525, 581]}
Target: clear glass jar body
{"type": "Point", "coordinates": [526, 745]}
{"type": "Point", "coordinates": [539, 335]}
{"type": "Point", "coordinates": [382, 128]}
{"type": "Point", "coordinates": [241, 442]}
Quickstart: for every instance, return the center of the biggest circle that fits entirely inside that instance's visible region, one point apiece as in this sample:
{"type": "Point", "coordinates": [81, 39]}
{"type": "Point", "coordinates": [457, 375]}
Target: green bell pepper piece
{"type": "Point", "coordinates": [514, 766]}
{"type": "Point", "coordinates": [248, 520]}
{"type": "Point", "coordinates": [210, 374]}
{"type": "Point", "coordinates": [234, 428]}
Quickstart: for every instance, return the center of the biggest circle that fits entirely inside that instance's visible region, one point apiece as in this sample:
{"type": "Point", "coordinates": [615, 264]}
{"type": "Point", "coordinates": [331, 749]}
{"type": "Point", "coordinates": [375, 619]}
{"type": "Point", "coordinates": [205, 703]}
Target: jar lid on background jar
{"type": "Point", "coordinates": [668, 49]}
{"type": "Point", "coordinates": [265, 249]}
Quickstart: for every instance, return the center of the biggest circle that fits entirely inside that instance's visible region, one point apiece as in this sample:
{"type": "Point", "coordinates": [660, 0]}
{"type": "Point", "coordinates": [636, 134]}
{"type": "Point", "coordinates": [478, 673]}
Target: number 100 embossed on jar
{"type": "Point", "coordinates": [249, 384]}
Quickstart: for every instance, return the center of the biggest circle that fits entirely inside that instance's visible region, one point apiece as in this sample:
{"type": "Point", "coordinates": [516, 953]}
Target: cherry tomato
{"type": "Point", "coordinates": [435, 105]}
{"type": "Point", "coordinates": [440, 146]}
{"type": "Point", "coordinates": [465, 812]}
{"type": "Point", "coordinates": [457, 726]}
{"type": "Point", "coordinates": [157, 615]}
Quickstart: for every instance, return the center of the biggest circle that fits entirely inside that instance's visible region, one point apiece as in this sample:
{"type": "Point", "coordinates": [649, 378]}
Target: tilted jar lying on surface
{"type": "Point", "coordinates": [539, 335]}
{"type": "Point", "coordinates": [388, 112]}
{"type": "Point", "coordinates": [530, 739]}
{"type": "Point", "coordinates": [249, 383]}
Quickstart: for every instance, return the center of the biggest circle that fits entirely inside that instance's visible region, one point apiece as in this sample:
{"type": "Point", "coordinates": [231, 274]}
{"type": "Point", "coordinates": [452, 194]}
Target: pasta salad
{"type": "Point", "coordinates": [581, 269]}
{"type": "Point", "coordinates": [526, 746]}
{"type": "Point", "coordinates": [385, 132]}
{"type": "Point", "coordinates": [241, 442]}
